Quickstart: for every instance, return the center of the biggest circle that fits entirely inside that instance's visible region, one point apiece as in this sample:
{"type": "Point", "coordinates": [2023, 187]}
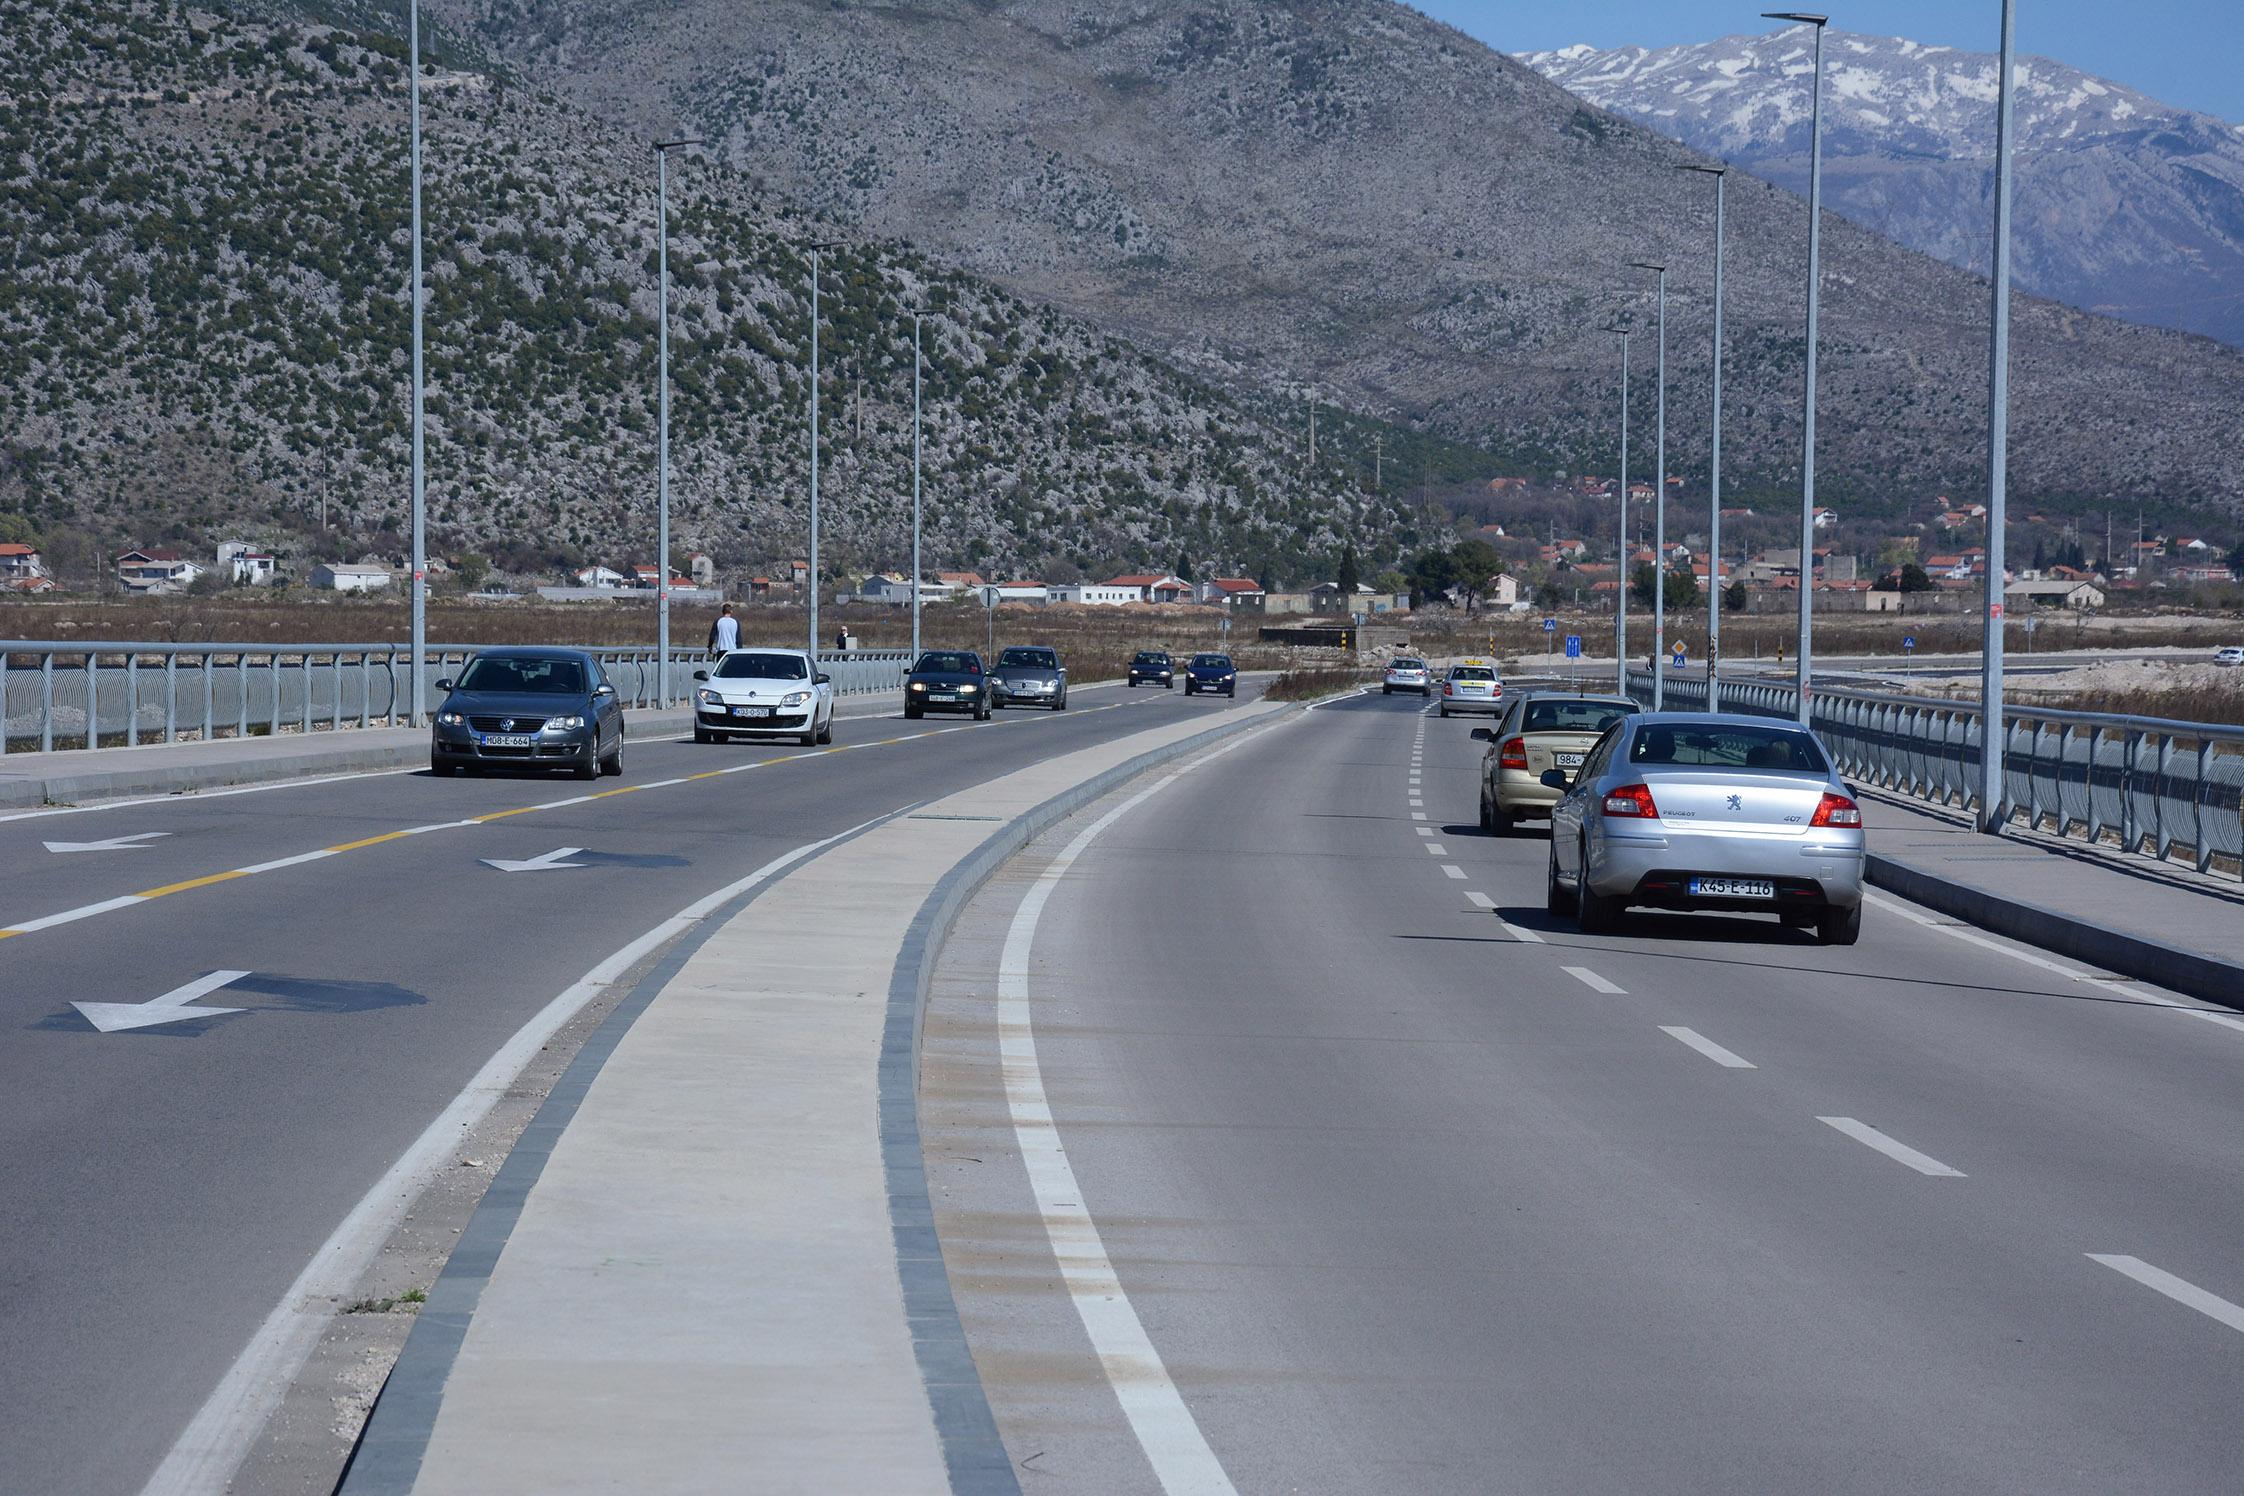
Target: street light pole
{"type": "Point", "coordinates": [420, 504]}
{"type": "Point", "coordinates": [1994, 811]}
{"type": "Point", "coordinates": [1802, 664]}
{"type": "Point", "coordinates": [916, 572]}
{"type": "Point", "coordinates": [662, 149]}
{"type": "Point", "coordinates": [1659, 509]}
{"type": "Point", "coordinates": [1714, 468]}
{"type": "Point", "coordinates": [815, 250]}
{"type": "Point", "coordinates": [1620, 598]}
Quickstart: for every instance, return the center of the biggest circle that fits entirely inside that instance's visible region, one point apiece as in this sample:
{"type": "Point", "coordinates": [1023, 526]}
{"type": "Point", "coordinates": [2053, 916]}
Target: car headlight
{"type": "Point", "coordinates": [794, 698]}
{"type": "Point", "coordinates": [563, 724]}
{"type": "Point", "coordinates": [919, 685]}
{"type": "Point", "coordinates": [450, 719]}
{"type": "Point", "coordinates": [709, 698]}
{"type": "Point", "coordinates": [968, 690]}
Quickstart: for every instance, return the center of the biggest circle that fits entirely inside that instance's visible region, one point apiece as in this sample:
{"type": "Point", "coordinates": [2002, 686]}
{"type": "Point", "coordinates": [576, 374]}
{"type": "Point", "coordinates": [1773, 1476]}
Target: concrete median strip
{"type": "Point", "coordinates": [725, 1275]}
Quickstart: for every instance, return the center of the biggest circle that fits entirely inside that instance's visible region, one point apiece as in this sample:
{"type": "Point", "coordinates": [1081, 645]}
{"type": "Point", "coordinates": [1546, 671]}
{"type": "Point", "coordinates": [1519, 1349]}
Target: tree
{"type": "Point", "coordinates": [1350, 575]}
{"type": "Point", "coordinates": [1476, 562]}
{"type": "Point", "coordinates": [1642, 582]}
{"type": "Point", "coordinates": [1682, 588]}
{"type": "Point", "coordinates": [1733, 598]}
{"type": "Point", "coordinates": [1432, 574]}
{"type": "Point", "coordinates": [1913, 579]}
{"type": "Point", "coordinates": [1184, 566]}
{"type": "Point", "coordinates": [472, 569]}
{"type": "Point", "coordinates": [1390, 582]}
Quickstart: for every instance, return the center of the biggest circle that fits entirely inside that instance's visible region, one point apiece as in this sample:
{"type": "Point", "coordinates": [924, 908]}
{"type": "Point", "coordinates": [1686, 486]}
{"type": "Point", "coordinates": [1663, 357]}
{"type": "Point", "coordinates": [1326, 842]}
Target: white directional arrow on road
{"type": "Point", "coordinates": [545, 862]}
{"type": "Point", "coordinates": [172, 1007]}
{"type": "Point", "coordinates": [113, 844]}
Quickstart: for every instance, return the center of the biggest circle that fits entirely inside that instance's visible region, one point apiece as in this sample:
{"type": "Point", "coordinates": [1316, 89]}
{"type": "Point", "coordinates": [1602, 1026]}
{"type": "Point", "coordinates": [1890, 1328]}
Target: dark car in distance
{"type": "Point", "coordinates": [1029, 675]}
{"type": "Point", "coordinates": [947, 680]}
{"type": "Point", "coordinates": [1153, 667]}
{"type": "Point", "coordinates": [1211, 672]}
{"type": "Point", "coordinates": [529, 708]}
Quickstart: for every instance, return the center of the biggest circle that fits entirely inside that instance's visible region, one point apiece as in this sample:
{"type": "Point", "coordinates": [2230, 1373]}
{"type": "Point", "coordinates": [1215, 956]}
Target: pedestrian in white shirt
{"type": "Point", "coordinates": [724, 634]}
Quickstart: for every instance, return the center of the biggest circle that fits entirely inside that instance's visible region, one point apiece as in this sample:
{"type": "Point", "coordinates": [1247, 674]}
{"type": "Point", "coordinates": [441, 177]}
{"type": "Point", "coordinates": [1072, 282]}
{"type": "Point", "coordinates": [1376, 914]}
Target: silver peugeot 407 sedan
{"type": "Point", "coordinates": [1680, 810]}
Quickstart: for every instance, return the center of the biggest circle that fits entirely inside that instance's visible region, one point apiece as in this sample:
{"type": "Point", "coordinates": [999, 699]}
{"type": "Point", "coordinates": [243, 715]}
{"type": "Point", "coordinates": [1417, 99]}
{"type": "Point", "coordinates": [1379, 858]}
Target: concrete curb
{"type": "Point", "coordinates": [973, 1452]}
{"type": "Point", "coordinates": [2204, 977]}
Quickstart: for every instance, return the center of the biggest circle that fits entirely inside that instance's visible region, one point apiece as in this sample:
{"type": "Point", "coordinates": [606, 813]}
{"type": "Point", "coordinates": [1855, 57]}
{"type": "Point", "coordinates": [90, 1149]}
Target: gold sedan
{"type": "Point", "coordinates": [1539, 732]}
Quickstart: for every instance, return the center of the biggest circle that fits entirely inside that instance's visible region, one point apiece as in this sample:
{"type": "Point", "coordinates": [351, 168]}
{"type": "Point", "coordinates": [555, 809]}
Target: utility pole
{"type": "Point", "coordinates": [1714, 468]}
{"type": "Point", "coordinates": [815, 251]}
{"type": "Point", "coordinates": [662, 150]}
{"type": "Point", "coordinates": [916, 572]}
{"type": "Point", "coordinates": [1378, 456]}
{"type": "Point", "coordinates": [1994, 808]}
{"type": "Point", "coordinates": [1620, 597]}
{"type": "Point", "coordinates": [1801, 664]}
{"type": "Point", "coordinates": [1659, 509]}
{"type": "Point", "coordinates": [420, 497]}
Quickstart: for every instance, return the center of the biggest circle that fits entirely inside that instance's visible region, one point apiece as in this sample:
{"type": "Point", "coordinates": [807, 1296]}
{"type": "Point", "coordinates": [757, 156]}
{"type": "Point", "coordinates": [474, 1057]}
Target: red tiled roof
{"type": "Point", "coordinates": [13, 549]}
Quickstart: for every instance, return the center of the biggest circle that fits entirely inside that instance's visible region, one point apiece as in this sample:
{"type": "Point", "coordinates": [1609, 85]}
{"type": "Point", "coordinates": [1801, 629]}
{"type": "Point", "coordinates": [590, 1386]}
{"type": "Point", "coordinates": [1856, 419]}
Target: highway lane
{"type": "Point", "coordinates": [1412, 1187]}
{"type": "Point", "coordinates": [167, 1184]}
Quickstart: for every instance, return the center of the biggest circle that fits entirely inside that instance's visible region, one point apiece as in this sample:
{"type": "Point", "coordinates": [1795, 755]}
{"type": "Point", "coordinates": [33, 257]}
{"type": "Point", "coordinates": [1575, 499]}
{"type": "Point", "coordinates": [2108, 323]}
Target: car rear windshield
{"type": "Point", "coordinates": [529, 676]}
{"type": "Point", "coordinates": [947, 662]}
{"type": "Point", "coordinates": [1575, 716]}
{"type": "Point", "coordinates": [1763, 750]}
{"type": "Point", "coordinates": [1472, 672]}
{"type": "Point", "coordinates": [1408, 665]}
{"type": "Point", "coordinates": [762, 667]}
{"type": "Point", "coordinates": [1211, 662]}
{"type": "Point", "coordinates": [1040, 659]}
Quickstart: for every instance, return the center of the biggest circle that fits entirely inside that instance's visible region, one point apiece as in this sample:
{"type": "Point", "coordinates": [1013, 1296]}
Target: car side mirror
{"type": "Point", "coordinates": [1555, 778]}
{"type": "Point", "coordinates": [444, 684]}
{"type": "Point", "coordinates": [1484, 735]}
{"type": "Point", "coordinates": [701, 675]}
{"type": "Point", "coordinates": [823, 680]}
{"type": "Point", "coordinates": [603, 689]}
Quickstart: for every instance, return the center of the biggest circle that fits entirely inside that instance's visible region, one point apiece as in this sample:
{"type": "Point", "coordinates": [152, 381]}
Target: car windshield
{"type": "Point", "coordinates": [1773, 750]}
{"type": "Point", "coordinates": [762, 667]}
{"type": "Point", "coordinates": [947, 662]}
{"type": "Point", "coordinates": [1472, 672]}
{"type": "Point", "coordinates": [1147, 657]}
{"type": "Point", "coordinates": [524, 675]}
{"type": "Point", "coordinates": [1038, 659]}
{"type": "Point", "coordinates": [1211, 662]}
{"type": "Point", "coordinates": [1575, 716]}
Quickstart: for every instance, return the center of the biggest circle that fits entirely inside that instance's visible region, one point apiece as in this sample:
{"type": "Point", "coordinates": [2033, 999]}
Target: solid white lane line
{"type": "Point", "coordinates": [2120, 986]}
{"type": "Point", "coordinates": [1593, 981]}
{"type": "Point", "coordinates": [2180, 1290]}
{"type": "Point", "coordinates": [68, 916]}
{"type": "Point", "coordinates": [1870, 1137]}
{"type": "Point", "coordinates": [214, 1444]}
{"type": "Point", "coordinates": [191, 796]}
{"type": "Point", "coordinates": [1165, 1427]}
{"type": "Point", "coordinates": [302, 857]}
{"type": "Point", "coordinates": [1453, 870]}
{"type": "Point", "coordinates": [1480, 900]}
{"type": "Point", "coordinates": [1707, 1047]}
{"type": "Point", "coordinates": [1435, 847]}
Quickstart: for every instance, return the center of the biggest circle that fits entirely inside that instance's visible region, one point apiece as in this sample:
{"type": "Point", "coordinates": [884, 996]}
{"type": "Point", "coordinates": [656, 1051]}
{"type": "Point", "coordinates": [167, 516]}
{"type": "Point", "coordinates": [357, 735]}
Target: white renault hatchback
{"type": "Point", "coordinates": [763, 693]}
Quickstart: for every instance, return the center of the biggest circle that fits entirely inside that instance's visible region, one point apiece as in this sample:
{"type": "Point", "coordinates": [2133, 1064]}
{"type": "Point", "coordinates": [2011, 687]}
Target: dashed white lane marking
{"type": "Point", "coordinates": [1165, 1428]}
{"type": "Point", "coordinates": [1416, 800]}
{"type": "Point", "coordinates": [1436, 847]}
{"type": "Point", "coordinates": [1870, 1137]}
{"type": "Point", "coordinates": [2118, 985]}
{"type": "Point", "coordinates": [1418, 815]}
{"type": "Point", "coordinates": [1593, 981]}
{"type": "Point", "coordinates": [2180, 1290]}
{"type": "Point", "coordinates": [1707, 1047]}
{"type": "Point", "coordinates": [1480, 901]}
{"type": "Point", "coordinates": [1423, 830]}
{"type": "Point", "coordinates": [1453, 870]}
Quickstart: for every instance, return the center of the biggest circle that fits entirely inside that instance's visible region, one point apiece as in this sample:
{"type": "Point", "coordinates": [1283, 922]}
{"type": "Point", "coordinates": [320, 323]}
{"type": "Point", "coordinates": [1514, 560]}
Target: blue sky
{"type": "Point", "coordinates": [2187, 52]}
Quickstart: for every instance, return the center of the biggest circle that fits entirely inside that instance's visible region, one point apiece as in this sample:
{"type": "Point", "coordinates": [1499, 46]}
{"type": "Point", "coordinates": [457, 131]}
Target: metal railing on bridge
{"type": "Point", "coordinates": [104, 693]}
{"type": "Point", "coordinates": [2147, 785]}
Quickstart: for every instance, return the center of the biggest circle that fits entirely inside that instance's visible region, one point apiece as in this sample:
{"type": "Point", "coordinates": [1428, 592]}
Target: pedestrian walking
{"type": "Point", "coordinates": [724, 634]}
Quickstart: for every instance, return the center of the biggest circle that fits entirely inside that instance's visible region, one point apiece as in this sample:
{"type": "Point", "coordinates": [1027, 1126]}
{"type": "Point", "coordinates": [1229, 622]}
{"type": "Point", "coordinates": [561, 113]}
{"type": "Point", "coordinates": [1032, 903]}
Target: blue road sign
{"type": "Point", "coordinates": [1573, 646]}
{"type": "Point", "coordinates": [1550, 625]}
{"type": "Point", "coordinates": [1909, 641]}
{"type": "Point", "coordinates": [1679, 659]}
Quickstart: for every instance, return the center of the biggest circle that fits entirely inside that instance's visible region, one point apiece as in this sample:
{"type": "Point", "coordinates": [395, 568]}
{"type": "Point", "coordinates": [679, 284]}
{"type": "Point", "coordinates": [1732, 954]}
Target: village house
{"type": "Point", "coordinates": [1097, 594]}
{"type": "Point", "coordinates": [2081, 596]}
{"type": "Point", "coordinates": [993, 593]}
{"type": "Point", "coordinates": [1155, 589]}
{"type": "Point", "coordinates": [20, 562]}
{"type": "Point", "coordinates": [336, 576]}
{"type": "Point", "coordinates": [1234, 592]}
{"type": "Point", "coordinates": [246, 565]}
{"type": "Point", "coordinates": [156, 571]}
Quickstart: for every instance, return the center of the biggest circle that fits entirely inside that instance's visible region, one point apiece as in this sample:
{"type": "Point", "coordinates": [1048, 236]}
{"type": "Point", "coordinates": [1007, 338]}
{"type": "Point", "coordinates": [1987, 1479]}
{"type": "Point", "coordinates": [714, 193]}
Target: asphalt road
{"type": "Point", "coordinates": [165, 1185]}
{"type": "Point", "coordinates": [1413, 1194]}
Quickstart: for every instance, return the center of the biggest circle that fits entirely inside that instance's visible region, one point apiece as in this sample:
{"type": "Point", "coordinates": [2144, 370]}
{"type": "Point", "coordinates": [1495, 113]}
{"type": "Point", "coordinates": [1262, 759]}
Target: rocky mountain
{"type": "Point", "coordinates": [2125, 205]}
{"type": "Point", "coordinates": [203, 329]}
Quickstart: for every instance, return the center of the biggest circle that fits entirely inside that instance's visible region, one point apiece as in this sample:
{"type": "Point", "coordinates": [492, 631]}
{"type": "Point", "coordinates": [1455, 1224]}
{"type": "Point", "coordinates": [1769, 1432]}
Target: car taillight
{"type": "Point", "coordinates": [1513, 754]}
{"type": "Point", "coordinates": [1449, 688]}
{"type": "Point", "coordinates": [1837, 810]}
{"type": "Point", "coordinates": [1634, 800]}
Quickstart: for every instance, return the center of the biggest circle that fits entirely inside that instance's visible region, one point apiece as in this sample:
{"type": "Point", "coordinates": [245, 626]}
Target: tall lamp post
{"type": "Point", "coordinates": [662, 150]}
{"type": "Point", "coordinates": [1994, 812]}
{"type": "Point", "coordinates": [1620, 598]}
{"type": "Point", "coordinates": [816, 250]}
{"type": "Point", "coordinates": [420, 505]}
{"type": "Point", "coordinates": [1659, 508]}
{"type": "Point", "coordinates": [1714, 469]}
{"type": "Point", "coordinates": [1801, 664]}
{"type": "Point", "coordinates": [917, 574]}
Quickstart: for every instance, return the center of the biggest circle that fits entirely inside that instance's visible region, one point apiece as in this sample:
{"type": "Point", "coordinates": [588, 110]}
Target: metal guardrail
{"type": "Point", "coordinates": [110, 693]}
{"type": "Point", "coordinates": [2171, 790]}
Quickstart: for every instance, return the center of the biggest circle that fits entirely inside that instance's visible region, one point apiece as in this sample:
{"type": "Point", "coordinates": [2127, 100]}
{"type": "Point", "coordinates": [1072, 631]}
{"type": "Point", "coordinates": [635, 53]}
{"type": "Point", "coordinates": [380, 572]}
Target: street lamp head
{"type": "Point", "coordinates": [1646, 265]}
{"type": "Point", "coordinates": [1712, 171]}
{"type": "Point", "coordinates": [1803, 17]}
{"type": "Point", "coordinates": [671, 145]}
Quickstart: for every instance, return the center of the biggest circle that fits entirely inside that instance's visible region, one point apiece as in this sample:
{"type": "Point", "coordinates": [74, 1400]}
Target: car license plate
{"type": "Point", "coordinates": [1732, 888]}
{"type": "Point", "coordinates": [751, 711]}
{"type": "Point", "coordinates": [509, 740]}
{"type": "Point", "coordinates": [1567, 760]}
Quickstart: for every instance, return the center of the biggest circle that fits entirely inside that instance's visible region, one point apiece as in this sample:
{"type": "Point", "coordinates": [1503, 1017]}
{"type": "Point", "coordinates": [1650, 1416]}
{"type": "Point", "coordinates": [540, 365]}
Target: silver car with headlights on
{"type": "Point", "coordinates": [1675, 810]}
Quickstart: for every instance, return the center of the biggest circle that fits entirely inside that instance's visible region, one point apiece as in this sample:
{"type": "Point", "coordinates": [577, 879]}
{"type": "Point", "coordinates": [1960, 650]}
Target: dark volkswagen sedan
{"type": "Point", "coordinates": [1211, 672]}
{"type": "Point", "coordinates": [529, 708]}
{"type": "Point", "coordinates": [947, 680]}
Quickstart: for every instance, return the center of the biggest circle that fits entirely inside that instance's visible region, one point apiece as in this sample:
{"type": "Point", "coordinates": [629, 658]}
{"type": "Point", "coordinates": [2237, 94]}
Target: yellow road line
{"type": "Point", "coordinates": [182, 887]}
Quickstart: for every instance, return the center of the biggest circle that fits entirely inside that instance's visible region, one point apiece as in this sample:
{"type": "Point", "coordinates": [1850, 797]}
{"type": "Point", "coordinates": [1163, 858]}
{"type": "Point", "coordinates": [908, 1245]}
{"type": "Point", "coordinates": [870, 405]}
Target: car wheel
{"type": "Point", "coordinates": [1445, 712]}
{"type": "Point", "coordinates": [1839, 926]}
{"type": "Point", "coordinates": [701, 734]}
{"type": "Point", "coordinates": [1386, 690]}
{"type": "Point", "coordinates": [1555, 898]}
{"type": "Point", "coordinates": [1500, 824]}
{"type": "Point", "coordinates": [911, 713]}
{"type": "Point", "coordinates": [612, 765]}
{"type": "Point", "coordinates": [590, 768]}
{"type": "Point", "coordinates": [1594, 912]}
{"type": "Point", "coordinates": [1132, 683]}
{"type": "Point", "coordinates": [1232, 692]}
{"type": "Point", "coordinates": [1060, 705]}
{"type": "Point", "coordinates": [826, 733]}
